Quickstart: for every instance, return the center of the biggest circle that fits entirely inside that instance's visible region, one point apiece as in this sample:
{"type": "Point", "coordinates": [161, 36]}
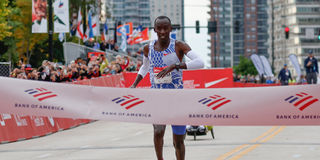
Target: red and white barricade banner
{"type": "Point", "coordinates": [203, 78]}
{"type": "Point", "coordinates": [281, 105]}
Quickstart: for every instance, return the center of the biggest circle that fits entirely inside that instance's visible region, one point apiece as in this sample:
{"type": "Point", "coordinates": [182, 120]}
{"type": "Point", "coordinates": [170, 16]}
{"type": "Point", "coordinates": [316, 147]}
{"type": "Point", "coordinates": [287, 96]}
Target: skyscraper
{"type": "Point", "coordinates": [170, 8]}
{"type": "Point", "coordinates": [302, 17]}
{"type": "Point", "coordinates": [242, 30]}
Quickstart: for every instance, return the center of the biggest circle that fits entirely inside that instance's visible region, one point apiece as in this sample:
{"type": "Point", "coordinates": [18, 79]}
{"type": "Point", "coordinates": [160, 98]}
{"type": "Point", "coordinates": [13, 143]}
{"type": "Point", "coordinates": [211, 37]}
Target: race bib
{"type": "Point", "coordinates": [166, 79]}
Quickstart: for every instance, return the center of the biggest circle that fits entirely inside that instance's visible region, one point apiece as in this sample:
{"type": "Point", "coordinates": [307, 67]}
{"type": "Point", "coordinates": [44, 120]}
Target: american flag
{"type": "Point", "coordinates": [301, 100]}
{"type": "Point", "coordinates": [128, 101]}
{"type": "Point", "coordinates": [40, 93]}
{"type": "Point", "coordinates": [214, 101]}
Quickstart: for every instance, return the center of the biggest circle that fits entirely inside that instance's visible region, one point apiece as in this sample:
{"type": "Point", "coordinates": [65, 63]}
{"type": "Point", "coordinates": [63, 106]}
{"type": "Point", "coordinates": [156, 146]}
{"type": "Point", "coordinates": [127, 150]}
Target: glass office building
{"type": "Point", "coordinates": [242, 30]}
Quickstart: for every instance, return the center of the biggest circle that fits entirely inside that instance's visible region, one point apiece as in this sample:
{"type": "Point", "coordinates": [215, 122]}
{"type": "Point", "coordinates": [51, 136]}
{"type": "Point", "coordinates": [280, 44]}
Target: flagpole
{"type": "Point", "coordinates": [50, 30]}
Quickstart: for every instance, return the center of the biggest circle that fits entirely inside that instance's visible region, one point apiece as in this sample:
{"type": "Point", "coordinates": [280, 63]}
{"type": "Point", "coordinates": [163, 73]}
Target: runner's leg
{"type": "Point", "coordinates": [159, 131]}
{"type": "Point", "coordinates": [178, 141]}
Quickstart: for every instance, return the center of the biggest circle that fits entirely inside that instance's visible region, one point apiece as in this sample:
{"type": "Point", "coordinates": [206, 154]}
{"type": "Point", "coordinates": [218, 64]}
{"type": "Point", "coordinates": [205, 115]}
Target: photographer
{"type": "Point", "coordinates": [311, 66]}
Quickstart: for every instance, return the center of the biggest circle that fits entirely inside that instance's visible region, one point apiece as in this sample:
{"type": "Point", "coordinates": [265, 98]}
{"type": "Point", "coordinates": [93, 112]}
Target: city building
{"type": "Point", "coordinates": [141, 12]}
{"type": "Point", "coordinates": [302, 17]}
{"type": "Point", "coordinates": [170, 8]}
{"type": "Point", "coordinates": [124, 11]}
{"type": "Point", "coordinates": [242, 30]}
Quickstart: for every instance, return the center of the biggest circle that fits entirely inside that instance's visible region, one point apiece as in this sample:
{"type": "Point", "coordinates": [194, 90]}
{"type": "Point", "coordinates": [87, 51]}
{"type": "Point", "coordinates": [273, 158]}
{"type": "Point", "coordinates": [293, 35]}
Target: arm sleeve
{"type": "Point", "coordinates": [196, 62]}
{"type": "Point", "coordinates": [144, 69]}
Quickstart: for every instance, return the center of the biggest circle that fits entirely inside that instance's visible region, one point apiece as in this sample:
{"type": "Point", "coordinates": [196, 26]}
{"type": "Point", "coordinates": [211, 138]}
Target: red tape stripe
{"type": "Point", "coordinates": [124, 103]}
{"type": "Point", "coordinates": [43, 98]}
{"type": "Point", "coordinates": [215, 102]}
{"type": "Point", "coordinates": [302, 100]}
{"type": "Point", "coordinates": [308, 104]}
{"type": "Point", "coordinates": [134, 104]}
{"type": "Point", "coordinates": [219, 105]}
{"type": "Point", "coordinates": [36, 95]}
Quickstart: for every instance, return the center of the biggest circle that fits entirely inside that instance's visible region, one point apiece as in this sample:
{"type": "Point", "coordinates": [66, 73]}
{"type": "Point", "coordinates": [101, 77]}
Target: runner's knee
{"type": "Point", "coordinates": [178, 144]}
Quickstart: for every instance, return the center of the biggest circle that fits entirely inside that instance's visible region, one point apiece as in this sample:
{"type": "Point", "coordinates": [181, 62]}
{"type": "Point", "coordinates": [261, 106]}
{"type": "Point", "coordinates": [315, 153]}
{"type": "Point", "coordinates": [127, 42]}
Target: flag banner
{"type": "Point", "coordinates": [61, 16]}
{"type": "Point", "coordinates": [93, 25]}
{"type": "Point", "coordinates": [294, 60]}
{"type": "Point", "coordinates": [104, 32]}
{"type": "Point", "coordinates": [266, 66]}
{"type": "Point", "coordinates": [282, 105]}
{"type": "Point", "coordinates": [94, 12]}
{"type": "Point", "coordinates": [90, 26]}
{"type": "Point", "coordinates": [135, 33]}
{"type": "Point", "coordinates": [96, 25]}
{"type": "Point", "coordinates": [80, 32]}
{"type": "Point", "coordinates": [39, 16]}
{"type": "Point", "coordinates": [138, 36]}
{"type": "Point", "coordinates": [123, 45]}
{"type": "Point", "coordinates": [127, 27]}
{"type": "Point", "coordinates": [257, 63]}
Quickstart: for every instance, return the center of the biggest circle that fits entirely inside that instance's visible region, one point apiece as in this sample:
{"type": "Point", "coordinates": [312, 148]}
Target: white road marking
{"type": "Point", "coordinates": [44, 155]}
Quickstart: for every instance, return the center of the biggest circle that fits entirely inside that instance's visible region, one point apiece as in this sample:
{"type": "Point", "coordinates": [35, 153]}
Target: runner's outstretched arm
{"type": "Point", "coordinates": [144, 69]}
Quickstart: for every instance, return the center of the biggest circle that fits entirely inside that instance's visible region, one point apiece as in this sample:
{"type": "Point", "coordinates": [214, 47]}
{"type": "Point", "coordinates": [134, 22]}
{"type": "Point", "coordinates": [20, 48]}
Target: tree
{"type": "Point", "coordinates": [26, 40]}
{"type": "Point", "coordinates": [4, 13]}
{"type": "Point", "coordinates": [8, 42]}
{"type": "Point", "coordinates": [245, 67]}
{"type": "Point", "coordinates": [40, 52]}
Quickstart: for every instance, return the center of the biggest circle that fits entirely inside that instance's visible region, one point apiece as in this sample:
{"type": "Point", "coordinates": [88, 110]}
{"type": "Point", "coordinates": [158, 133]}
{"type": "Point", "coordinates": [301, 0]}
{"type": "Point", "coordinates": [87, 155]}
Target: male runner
{"type": "Point", "coordinates": [163, 60]}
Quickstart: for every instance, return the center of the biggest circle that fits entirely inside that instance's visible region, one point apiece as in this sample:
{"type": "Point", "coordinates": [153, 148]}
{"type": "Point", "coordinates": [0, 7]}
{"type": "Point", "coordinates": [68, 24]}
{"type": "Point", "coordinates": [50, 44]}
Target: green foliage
{"type": "Point", "coordinates": [17, 40]}
{"type": "Point", "coordinates": [40, 52]}
{"type": "Point", "coordinates": [8, 48]}
{"type": "Point", "coordinates": [4, 13]}
{"type": "Point", "coordinates": [245, 67]}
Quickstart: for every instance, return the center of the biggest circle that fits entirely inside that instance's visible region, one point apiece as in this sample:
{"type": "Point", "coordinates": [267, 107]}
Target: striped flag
{"type": "Point", "coordinates": [214, 101]}
{"type": "Point", "coordinates": [104, 32]}
{"type": "Point", "coordinates": [90, 26]}
{"type": "Point", "coordinates": [80, 33]}
{"type": "Point", "coordinates": [40, 93]}
{"type": "Point", "coordinates": [128, 101]}
{"type": "Point", "coordinates": [301, 100]}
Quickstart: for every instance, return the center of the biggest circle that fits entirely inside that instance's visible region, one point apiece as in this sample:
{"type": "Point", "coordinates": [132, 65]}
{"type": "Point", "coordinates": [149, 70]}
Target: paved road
{"type": "Point", "coordinates": [103, 140]}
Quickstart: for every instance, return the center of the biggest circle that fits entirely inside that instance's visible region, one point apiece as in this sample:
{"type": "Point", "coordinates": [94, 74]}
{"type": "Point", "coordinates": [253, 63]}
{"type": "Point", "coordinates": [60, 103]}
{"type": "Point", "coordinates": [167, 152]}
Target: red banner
{"type": "Point", "coordinates": [205, 78]}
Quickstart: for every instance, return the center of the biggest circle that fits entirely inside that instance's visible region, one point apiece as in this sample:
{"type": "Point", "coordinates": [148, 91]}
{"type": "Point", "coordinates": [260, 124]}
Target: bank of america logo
{"type": "Point", "coordinates": [215, 101]}
{"type": "Point", "coordinates": [40, 93]}
{"type": "Point", "coordinates": [128, 101]}
{"type": "Point", "coordinates": [301, 100]}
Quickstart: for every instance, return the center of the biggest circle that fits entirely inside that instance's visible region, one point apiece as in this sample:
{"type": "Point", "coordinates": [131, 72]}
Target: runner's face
{"type": "Point", "coordinates": [163, 29]}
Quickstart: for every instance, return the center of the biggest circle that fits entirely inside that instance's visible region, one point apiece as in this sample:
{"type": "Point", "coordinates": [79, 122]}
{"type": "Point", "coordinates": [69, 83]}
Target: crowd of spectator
{"type": "Point", "coordinates": [79, 69]}
{"type": "Point", "coordinates": [103, 46]}
{"type": "Point", "coordinates": [266, 79]}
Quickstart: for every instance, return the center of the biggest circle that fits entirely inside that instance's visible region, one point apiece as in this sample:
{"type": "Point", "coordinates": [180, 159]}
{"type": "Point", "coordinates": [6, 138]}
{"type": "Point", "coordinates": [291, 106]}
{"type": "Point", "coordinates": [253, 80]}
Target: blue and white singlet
{"type": "Point", "coordinates": [160, 60]}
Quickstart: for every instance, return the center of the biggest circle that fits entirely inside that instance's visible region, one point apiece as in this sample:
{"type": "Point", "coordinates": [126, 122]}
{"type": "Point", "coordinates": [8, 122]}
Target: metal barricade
{"type": "Point", "coordinates": [5, 69]}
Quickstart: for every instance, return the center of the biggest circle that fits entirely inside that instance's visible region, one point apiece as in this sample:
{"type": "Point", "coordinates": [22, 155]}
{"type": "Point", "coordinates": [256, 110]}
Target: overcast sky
{"type": "Point", "coordinates": [197, 10]}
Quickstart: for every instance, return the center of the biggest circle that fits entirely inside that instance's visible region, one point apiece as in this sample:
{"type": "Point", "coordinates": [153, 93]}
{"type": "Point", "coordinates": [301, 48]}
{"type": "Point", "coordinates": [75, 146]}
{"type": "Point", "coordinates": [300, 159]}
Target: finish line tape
{"type": "Point", "coordinates": [282, 105]}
